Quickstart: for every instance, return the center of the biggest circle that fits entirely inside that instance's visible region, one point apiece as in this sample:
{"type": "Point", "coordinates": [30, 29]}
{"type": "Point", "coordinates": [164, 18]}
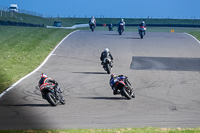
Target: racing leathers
{"type": "Point", "coordinates": [44, 81]}
{"type": "Point", "coordinates": [143, 25]}
{"type": "Point", "coordinates": [114, 87]}
{"type": "Point", "coordinates": [104, 55]}
{"type": "Point", "coordinates": [92, 22]}
{"type": "Point", "coordinates": [121, 22]}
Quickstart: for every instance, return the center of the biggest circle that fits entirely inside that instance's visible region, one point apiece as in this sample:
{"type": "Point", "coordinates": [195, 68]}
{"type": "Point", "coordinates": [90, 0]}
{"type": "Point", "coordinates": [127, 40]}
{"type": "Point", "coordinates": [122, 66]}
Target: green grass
{"type": "Point", "coordinates": [119, 130]}
{"type": "Point", "coordinates": [195, 34]}
{"type": "Point", "coordinates": [23, 49]}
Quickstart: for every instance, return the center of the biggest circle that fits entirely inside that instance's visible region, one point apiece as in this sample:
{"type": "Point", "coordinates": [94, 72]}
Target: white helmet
{"type": "Point", "coordinates": [43, 75]}
{"type": "Point", "coordinates": [142, 22]}
{"type": "Point", "coordinates": [106, 50]}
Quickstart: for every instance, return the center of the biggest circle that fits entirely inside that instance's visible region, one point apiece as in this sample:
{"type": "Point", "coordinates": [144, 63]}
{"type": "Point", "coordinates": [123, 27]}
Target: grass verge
{"type": "Point", "coordinates": [23, 49]}
{"type": "Point", "coordinates": [195, 34]}
{"type": "Point", "coordinates": [120, 130]}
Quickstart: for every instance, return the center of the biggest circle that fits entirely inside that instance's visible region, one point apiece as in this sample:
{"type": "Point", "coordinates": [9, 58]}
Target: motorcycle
{"type": "Point", "coordinates": [107, 64]}
{"type": "Point", "coordinates": [110, 27]}
{"type": "Point", "coordinates": [52, 94]}
{"type": "Point", "coordinates": [121, 28]}
{"type": "Point", "coordinates": [142, 30]}
{"type": "Point", "coordinates": [122, 86]}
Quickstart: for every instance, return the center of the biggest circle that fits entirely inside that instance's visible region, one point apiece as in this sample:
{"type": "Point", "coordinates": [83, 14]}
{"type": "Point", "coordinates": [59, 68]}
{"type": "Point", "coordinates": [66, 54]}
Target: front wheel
{"type": "Point", "coordinates": [51, 99]}
{"type": "Point", "coordinates": [62, 100]}
{"type": "Point", "coordinates": [141, 35]}
{"type": "Point", "coordinates": [120, 32]}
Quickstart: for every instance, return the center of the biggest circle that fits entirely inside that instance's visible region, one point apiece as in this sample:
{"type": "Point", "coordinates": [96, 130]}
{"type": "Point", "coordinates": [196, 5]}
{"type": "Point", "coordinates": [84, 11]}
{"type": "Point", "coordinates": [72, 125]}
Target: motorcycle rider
{"type": "Point", "coordinates": [45, 80]}
{"type": "Point", "coordinates": [104, 54]}
{"type": "Point", "coordinates": [115, 91]}
{"type": "Point", "coordinates": [142, 24]}
{"type": "Point", "coordinates": [121, 21]}
{"type": "Point", "coordinates": [111, 27]}
{"type": "Point", "coordinates": [114, 86]}
{"type": "Point", "coordinates": [92, 21]}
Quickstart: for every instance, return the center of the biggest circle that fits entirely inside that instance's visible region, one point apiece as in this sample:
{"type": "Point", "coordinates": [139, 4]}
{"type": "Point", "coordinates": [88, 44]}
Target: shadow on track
{"type": "Point", "coordinates": [132, 38]}
{"type": "Point", "coordinates": [91, 72]}
{"type": "Point", "coordinates": [112, 34]}
{"type": "Point", "coordinates": [27, 105]}
{"type": "Point", "coordinates": [104, 98]}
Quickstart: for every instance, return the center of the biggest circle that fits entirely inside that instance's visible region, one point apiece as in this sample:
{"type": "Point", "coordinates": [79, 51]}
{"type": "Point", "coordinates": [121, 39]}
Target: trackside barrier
{"type": "Point", "coordinates": [158, 25]}
{"type": "Point", "coordinates": [11, 23]}
{"type": "Point", "coordinates": [72, 27]}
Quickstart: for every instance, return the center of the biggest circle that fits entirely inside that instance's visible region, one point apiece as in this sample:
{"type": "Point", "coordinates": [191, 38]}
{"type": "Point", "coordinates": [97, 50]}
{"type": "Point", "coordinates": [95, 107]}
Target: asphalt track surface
{"type": "Point", "coordinates": [165, 97]}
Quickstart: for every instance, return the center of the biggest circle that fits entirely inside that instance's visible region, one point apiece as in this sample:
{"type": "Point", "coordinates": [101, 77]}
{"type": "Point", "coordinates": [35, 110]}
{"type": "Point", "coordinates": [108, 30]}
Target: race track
{"type": "Point", "coordinates": [164, 69]}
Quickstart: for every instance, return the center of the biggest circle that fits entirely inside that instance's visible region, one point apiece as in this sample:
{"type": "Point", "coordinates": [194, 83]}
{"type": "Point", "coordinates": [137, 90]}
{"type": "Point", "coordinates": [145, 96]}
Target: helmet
{"type": "Point", "coordinates": [92, 17]}
{"type": "Point", "coordinates": [142, 22]}
{"type": "Point", "coordinates": [43, 75]}
{"type": "Point", "coordinates": [106, 50]}
{"type": "Point", "coordinates": [112, 76]}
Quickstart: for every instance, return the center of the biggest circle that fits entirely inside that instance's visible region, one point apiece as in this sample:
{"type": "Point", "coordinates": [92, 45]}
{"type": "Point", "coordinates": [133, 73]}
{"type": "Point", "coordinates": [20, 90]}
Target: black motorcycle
{"type": "Point", "coordinates": [110, 27]}
{"type": "Point", "coordinates": [107, 64]}
{"type": "Point", "coordinates": [121, 28]}
{"type": "Point", "coordinates": [141, 31]}
{"type": "Point", "coordinates": [52, 94]}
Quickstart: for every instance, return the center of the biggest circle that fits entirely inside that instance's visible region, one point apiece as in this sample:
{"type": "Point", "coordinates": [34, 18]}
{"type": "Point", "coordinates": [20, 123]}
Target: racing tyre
{"type": "Point", "coordinates": [62, 100]}
{"type": "Point", "coordinates": [141, 35]}
{"type": "Point", "coordinates": [108, 68]}
{"type": "Point", "coordinates": [51, 99]}
{"type": "Point", "coordinates": [127, 93]}
{"type": "Point", "coordinates": [120, 32]}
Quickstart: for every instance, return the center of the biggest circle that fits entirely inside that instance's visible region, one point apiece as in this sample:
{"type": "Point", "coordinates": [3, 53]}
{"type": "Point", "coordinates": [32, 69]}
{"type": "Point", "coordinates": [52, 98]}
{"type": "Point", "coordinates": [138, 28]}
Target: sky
{"type": "Point", "coordinates": [183, 9]}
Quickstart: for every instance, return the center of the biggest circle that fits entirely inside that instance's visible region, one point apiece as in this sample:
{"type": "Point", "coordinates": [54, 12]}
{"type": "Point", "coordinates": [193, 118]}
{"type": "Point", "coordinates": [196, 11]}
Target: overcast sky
{"type": "Point", "coordinates": [112, 8]}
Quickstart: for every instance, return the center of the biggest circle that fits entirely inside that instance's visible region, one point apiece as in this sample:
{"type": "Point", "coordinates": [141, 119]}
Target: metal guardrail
{"type": "Point", "coordinates": [72, 27]}
{"type": "Point", "coordinates": [156, 25]}
{"type": "Point", "coordinates": [11, 23]}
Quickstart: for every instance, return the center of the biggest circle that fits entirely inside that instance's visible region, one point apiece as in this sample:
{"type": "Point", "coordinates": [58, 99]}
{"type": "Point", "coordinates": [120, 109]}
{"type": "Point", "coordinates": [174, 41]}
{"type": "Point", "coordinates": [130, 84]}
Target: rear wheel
{"type": "Point", "coordinates": [92, 28]}
{"type": "Point", "coordinates": [51, 99]}
{"type": "Point", "coordinates": [127, 92]}
{"type": "Point", "coordinates": [108, 68]}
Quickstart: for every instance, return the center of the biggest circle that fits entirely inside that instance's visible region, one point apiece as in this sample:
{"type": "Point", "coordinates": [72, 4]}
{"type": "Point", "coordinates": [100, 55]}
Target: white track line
{"type": "Point", "coordinates": [193, 37]}
{"type": "Point", "coordinates": [4, 92]}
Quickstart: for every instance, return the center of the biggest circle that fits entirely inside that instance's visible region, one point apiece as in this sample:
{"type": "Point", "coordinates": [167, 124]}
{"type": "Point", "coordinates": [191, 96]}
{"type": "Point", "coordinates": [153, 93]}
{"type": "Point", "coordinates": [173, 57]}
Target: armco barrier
{"type": "Point", "coordinates": [157, 25]}
{"type": "Point", "coordinates": [11, 23]}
